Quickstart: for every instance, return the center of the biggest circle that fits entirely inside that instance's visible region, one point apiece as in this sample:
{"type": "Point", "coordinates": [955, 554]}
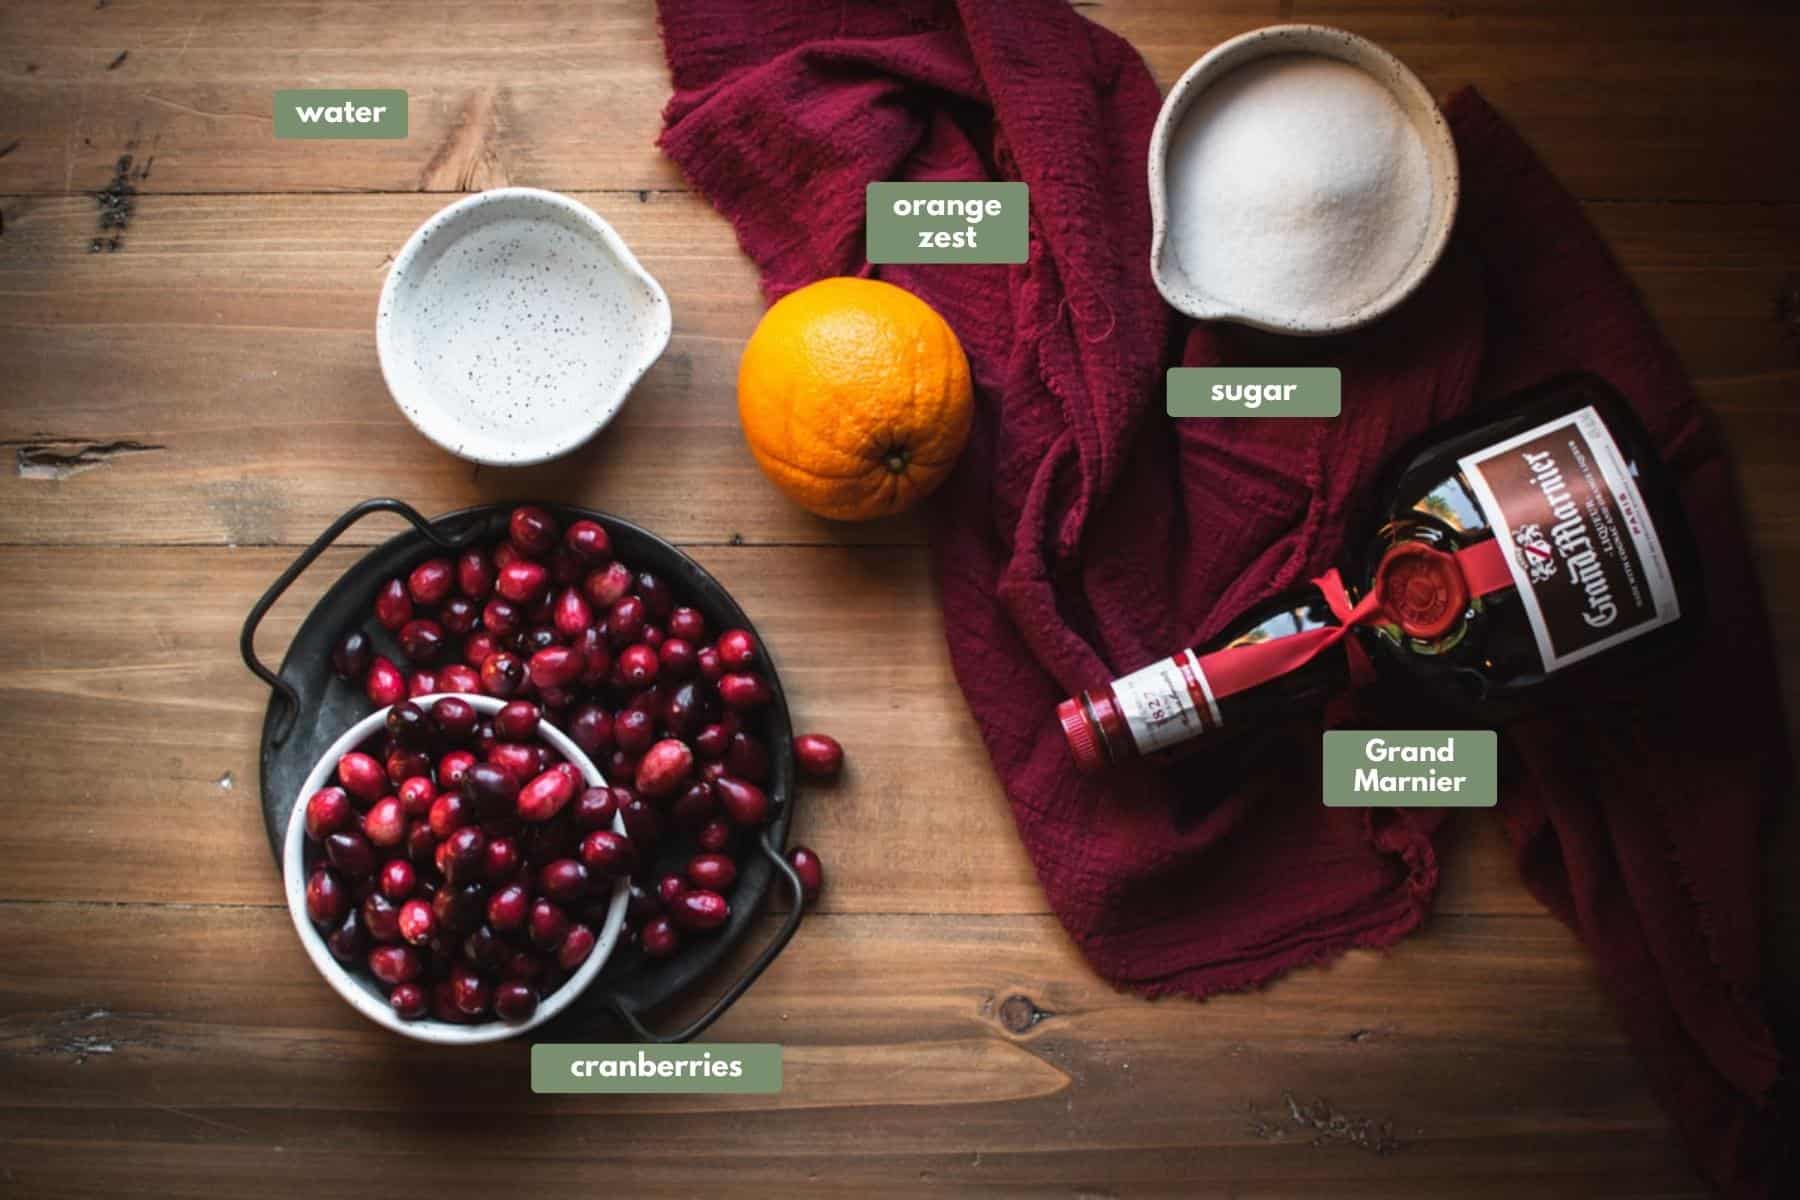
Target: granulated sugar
{"type": "Point", "coordinates": [1298, 189]}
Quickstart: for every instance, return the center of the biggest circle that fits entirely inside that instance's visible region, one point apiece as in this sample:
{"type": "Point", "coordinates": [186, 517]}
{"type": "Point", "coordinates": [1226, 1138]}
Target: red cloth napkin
{"type": "Point", "coordinates": [1084, 533]}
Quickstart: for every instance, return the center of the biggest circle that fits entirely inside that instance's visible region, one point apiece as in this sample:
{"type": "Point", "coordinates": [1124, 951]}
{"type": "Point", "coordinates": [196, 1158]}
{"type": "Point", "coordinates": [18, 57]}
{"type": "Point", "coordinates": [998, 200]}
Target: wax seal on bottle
{"type": "Point", "coordinates": [1422, 589]}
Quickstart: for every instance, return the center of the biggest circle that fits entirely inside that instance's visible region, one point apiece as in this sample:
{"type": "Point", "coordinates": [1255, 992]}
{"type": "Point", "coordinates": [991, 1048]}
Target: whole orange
{"type": "Point", "coordinates": [854, 396]}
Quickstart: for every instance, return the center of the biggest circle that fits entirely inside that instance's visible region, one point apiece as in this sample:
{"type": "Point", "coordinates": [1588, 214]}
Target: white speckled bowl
{"type": "Point", "coordinates": [513, 325]}
{"type": "Point", "coordinates": [1191, 295]}
{"type": "Point", "coordinates": [358, 989]}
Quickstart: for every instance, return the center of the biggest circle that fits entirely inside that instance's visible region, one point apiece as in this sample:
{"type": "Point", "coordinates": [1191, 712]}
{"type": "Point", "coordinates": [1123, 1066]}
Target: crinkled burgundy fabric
{"type": "Point", "coordinates": [1084, 533]}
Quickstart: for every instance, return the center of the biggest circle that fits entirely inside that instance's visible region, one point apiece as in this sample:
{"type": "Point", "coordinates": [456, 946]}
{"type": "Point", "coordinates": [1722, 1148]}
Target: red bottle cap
{"type": "Point", "coordinates": [1080, 732]}
{"type": "Point", "coordinates": [1422, 589]}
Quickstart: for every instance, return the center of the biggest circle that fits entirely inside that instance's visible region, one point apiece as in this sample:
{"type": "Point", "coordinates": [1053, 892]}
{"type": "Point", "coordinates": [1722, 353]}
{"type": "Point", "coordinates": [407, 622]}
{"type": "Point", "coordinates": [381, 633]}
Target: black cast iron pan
{"type": "Point", "coordinates": [310, 707]}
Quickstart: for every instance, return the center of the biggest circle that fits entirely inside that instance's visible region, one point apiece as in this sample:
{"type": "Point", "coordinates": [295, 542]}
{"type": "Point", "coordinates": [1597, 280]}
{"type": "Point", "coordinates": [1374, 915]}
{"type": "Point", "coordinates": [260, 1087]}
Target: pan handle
{"type": "Point", "coordinates": [777, 944]}
{"type": "Point", "coordinates": [247, 640]}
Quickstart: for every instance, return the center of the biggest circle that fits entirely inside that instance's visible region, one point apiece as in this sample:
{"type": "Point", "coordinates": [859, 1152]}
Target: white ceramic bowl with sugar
{"type": "Point", "coordinates": [1188, 288]}
{"type": "Point", "coordinates": [514, 324]}
{"type": "Point", "coordinates": [358, 988]}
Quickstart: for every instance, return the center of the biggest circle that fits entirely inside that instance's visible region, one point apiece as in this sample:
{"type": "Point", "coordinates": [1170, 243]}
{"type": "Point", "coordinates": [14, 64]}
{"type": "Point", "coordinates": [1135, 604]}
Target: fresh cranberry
{"type": "Point", "coordinates": [659, 938]}
{"type": "Point", "coordinates": [743, 693]}
{"type": "Point", "coordinates": [556, 667]}
{"type": "Point", "coordinates": [327, 899]}
{"type": "Point", "coordinates": [607, 586]}
{"type": "Point", "coordinates": [385, 822]}
{"type": "Point", "coordinates": [810, 869]}
{"type": "Point", "coordinates": [351, 853]}
{"type": "Point", "coordinates": [716, 872]}
{"type": "Point", "coordinates": [706, 662]}
{"type": "Point", "coordinates": [395, 964]}
{"type": "Point", "coordinates": [421, 843]}
{"type": "Point", "coordinates": [658, 600]}
{"type": "Point", "coordinates": [531, 639]}
{"type": "Point", "coordinates": [523, 966]}
{"type": "Point", "coordinates": [474, 574]}
{"type": "Point", "coordinates": [596, 657]}
{"type": "Point", "coordinates": [477, 650]}
{"type": "Point", "coordinates": [745, 804]}
{"type": "Point", "coordinates": [641, 823]}
{"type": "Point", "coordinates": [747, 759]}
{"type": "Point", "coordinates": [712, 741]}
{"type": "Point", "coordinates": [443, 1004]}
{"type": "Point", "coordinates": [532, 529]}
{"type": "Point", "coordinates": [458, 616]}
{"type": "Point", "coordinates": [409, 1002]}
{"type": "Point", "coordinates": [641, 904]}
{"type": "Point", "coordinates": [695, 806]}
{"type": "Point", "coordinates": [408, 726]}
{"type": "Point", "coordinates": [397, 879]}
{"type": "Point", "coordinates": [515, 1001]}
{"type": "Point", "coordinates": [638, 665]}
{"type": "Point", "coordinates": [711, 771]}
{"type": "Point", "coordinates": [485, 738]}
{"type": "Point", "coordinates": [608, 855]}
{"type": "Point", "coordinates": [502, 860]}
{"type": "Point", "coordinates": [393, 607]}
{"type": "Point", "coordinates": [676, 659]}
{"type": "Point", "coordinates": [459, 678]}
{"type": "Point", "coordinates": [452, 768]}
{"type": "Point", "coordinates": [362, 776]}
{"type": "Point", "coordinates": [501, 619]}
{"type": "Point", "coordinates": [818, 756]}
{"type": "Point", "coordinates": [594, 809]}
{"type": "Point", "coordinates": [351, 656]}
{"type": "Point", "coordinates": [572, 614]}
{"type": "Point", "coordinates": [577, 944]}
{"type": "Point", "coordinates": [588, 541]}
{"type": "Point", "coordinates": [430, 582]}
{"type": "Point", "coordinates": [591, 728]}
{"type": "Point", "coordinates": [714, 837]}
{"type": "Point", "coordinates": [522, 582]}
{"type": "Point", "coordinates": [698, 909]}
{"type": "Point", "coordinates": [418, 924]}
{"type": "Point", "coordinates": [491, 787]}
{"type": "Point", "coordinates": [416, 794]}
{"type": "Point", "coordinates": [621, 765]}
{"type": "Point", "coordinates": [625, 621]}
{"type": "Point", "coordinates": [328, 810]}
{"type": "Point", "coordinates": [455, 718]}
{"type": "Point", "coordinates": [505, 554]}
{"type": "Point", "coordinates": [469, 991]}
{"type": "Point", "coordinates": [687, 624]}
{"type": "Point", "coordinates": [508, 907]}
{"type": "Point", "coordinates": [737, 649]}
{"type": "Point", "coordinates": [381, 918]}
{"type": "Point", "coordinates": [565, 568]}
{"type": "Point", "coordinates": [546, 795]}
{"type": "Point", "coordinates": [384, 684]}
{"type": "Point", "coordinates": [634, 730]}
{"type": "Point", "coordinates": [502, 675]}
{"type": "Point", "coordinates": [517, 721]}
{"type": "Point", "coordinates": [665, 768]}
{"type": "Point", "coordinates": [450, 812]}
{"type": "Point", "coordinates": [564, 881]}
{"type": "Point", "coordinates": [669, 888]}
{"type": "Point", "coordinates": [348, 942]}
{"type": "Point", "coordinates": [402, 764]}
{"type": "Point", "coordinates": [464, 853]}
{"type": "Point", "coordinates": [460, 908]}
{"type": "Point", "coordinates": [547, 925]}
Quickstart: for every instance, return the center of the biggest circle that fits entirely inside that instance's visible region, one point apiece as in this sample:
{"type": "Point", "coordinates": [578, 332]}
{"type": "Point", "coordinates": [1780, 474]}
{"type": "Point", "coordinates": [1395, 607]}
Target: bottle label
{"type": "Point", "coordinates": [1585, 559]}
{"type": "Point", "coordinates": [1166, 702]}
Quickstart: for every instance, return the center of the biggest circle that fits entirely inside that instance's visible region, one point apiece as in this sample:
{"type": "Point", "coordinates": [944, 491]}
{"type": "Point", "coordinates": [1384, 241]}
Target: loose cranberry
{"type": "Point", "coordinates": [715, 872]}
{"type": "Point", "coordinates": [607, 586]}
{"type": "Point", "coordinates": [695, 806]}
{"type": "Point", "coordinates": [659, 938]}
{"type": "Point", "coordinates": [450, 812]}
{"type": "Point", "coordinates": [416, 794]}
{"type": "Point", "coordinates": [665, 768]}
{"type": "Point", "coordinates": [395, 964]}
{"type": "Point", "coordinates": [698, 910]}
{"type": "Point", "coordinates": [430, 582]}
{"type": "Point", "coordinates": [459, 678]}
{"type": "Point", "coordinates": [712, 741]}
{"type": "Point", "coordinates": [351, 656]}
{"type": "Point", "coordinates": [351, 853]}
{"type": "Point", "coordinates": [634, 730]}
{"type": "Point", "coordinates": [637, 666]}
{"type": "Point", "coordinates": [743, 693]}
{"type": "Point", "coordinates": [747, 758]}
{"type": "Point", "coordinates": [409, 1002]}
{"type": "Point", "coordinates": [745, 804]}
{"type": "Point", "coordinates": [501, 619]}
{"type": "Point", "coordinates": [491, 787]}
{"type": "Point", "coordinates": [421, 843]}
{"type": "Point", "coordinates": [478, 649]}
{"type": "Point", "coordinates": [515, 1001]}
{"type": "Point", "coordinates": [548, 924]}
{"type": "Point", "coordinates": [546, 795]}
{"type": "Point", "coordinates": [464, 854]}
{"type": "Point", "coordinates": [564, 881]}
{"type": "Point", "coordinates": [502, 675]}
{"type": "Point", "coordinates": [474, 574]}
{"type": "Point", "coordinates": [557, 667]}
{"type": "Point", "coordinates": [676, 659]}
{"type": "Point", "coordinates": [818, 756]}
{"type": "Point", "coordinates": [669, 888]}
{"type": "Point", "coordinates": [362, 776]}
{"type": "Point", "coordinates": [641, 823]}
{"type": "Point", "coordinates": [402, 764]}
{"type": "Point", "coordinates": [393, 607]}
{"type": "Point", "coordinates": [328, 810]}
{"type": "Point", "coordinates": [517, 720]}
{"type": "Point", "coordinates": [327, 899]}
{"type": "Point", "coordinates": [658, 600]}
{"type": "Point", "coordinates": [594, 809]}
{"type": "Point", "coordinates": [532, 529]}
{"type": "Point", "coordinates": [608, 855]}
{"type": "Point", "coordinates": [418, 924]}
{"type": "Point", "coordinates": [347, 942]}
{"type": "Point", "coordinates": [714, 837]}
{"type": "Point", "coordinates": [455, 718]}
{"type": "Point", "coordinates": [502, 861]}
{"type": "Point", "coordinates": [469, 991]}
{"type": "Point", "coordinates": [385, 684]}
{"type": "Point", "coordinates": [577, 944]}
{"type": "Point", "coordinates": [507, 908]}
{"type": "Point", "coordinates": [397, 879]}
{"type": "Point", "coordinates": [572, 614]}
{"type": "Point", "coordinates": [737, 649]}
{"type": "Point", "coordinates": [452, 768]}
{"type": "Point", "coordinates": [522, 582]}
{"type": "Point", "coordinates": [385, 822]}
{"type": "Point", "coordinates": [810, 869]}
{"type": "Point", "coordinates": [687, 624]}
{"type": "Point", "coordinates": [706, 662]}
{"type": "Point", "coordinates": [625, 621]}
{"type": "Point", "coordinates": [381, 918]}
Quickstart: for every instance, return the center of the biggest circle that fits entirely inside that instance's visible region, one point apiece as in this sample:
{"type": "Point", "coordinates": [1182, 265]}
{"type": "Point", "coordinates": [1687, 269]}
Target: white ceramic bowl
{"type": "Point", "coordinates": [1192, 296]}
{"type": "Point", "coordinates": [514, 324]}
{"type": "Point", "coordinates": [360, 990]}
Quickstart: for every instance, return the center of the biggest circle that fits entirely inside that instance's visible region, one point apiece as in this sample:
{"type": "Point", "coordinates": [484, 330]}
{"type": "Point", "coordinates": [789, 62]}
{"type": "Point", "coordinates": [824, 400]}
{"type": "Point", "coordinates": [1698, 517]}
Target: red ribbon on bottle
{"type": "Point", "coordinates": [1422, 590]}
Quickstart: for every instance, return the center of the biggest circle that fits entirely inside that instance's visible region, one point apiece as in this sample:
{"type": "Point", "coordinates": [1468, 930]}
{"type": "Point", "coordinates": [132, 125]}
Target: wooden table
{"type": "Point", "coordinates": [184, 410]}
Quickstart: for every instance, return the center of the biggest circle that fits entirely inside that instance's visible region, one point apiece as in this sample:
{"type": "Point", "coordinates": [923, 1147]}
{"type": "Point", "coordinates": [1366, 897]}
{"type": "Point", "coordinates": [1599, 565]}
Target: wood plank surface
{"type": "Point", "coordinates": [180, 414]}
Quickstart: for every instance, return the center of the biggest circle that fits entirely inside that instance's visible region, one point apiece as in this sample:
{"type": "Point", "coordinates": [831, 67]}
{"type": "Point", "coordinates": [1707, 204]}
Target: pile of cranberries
{"type": "Point", "coordinates": [460, 861]}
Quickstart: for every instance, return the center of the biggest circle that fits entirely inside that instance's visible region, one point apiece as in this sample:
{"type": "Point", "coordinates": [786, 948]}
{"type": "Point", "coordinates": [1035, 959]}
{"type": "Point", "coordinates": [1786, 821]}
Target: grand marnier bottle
{"type": "Point", "coordinates": [1505, 558]}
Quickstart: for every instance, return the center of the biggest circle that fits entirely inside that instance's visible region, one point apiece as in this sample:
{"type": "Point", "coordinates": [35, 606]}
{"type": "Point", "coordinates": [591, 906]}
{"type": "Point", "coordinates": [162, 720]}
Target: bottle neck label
{"type": "Point", "coordinates": [1166, 702]}
{"type": "Point", "coordinates": [1587, 563]}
